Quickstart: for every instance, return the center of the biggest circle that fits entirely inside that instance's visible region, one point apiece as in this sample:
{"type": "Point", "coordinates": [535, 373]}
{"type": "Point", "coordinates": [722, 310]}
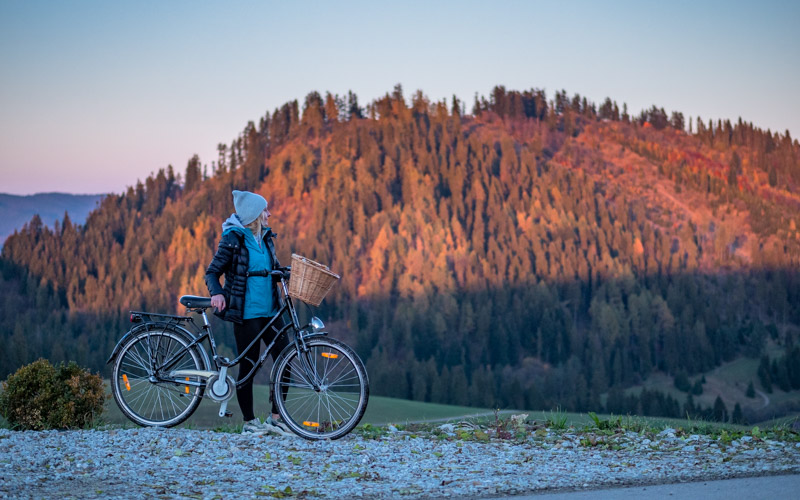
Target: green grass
{"type": "Point", "coordinates": [786, 421]}
{"type": "Point", "coordinates": [380, 411]}
{"type": "Point", "coordinates": [729, 381]}
{"type": "Point", "coordinates": [561, 420]}
{"type": "Point", "coordinates": [383, 410]}
{"type": "Point", "coordinates": [738, 371]}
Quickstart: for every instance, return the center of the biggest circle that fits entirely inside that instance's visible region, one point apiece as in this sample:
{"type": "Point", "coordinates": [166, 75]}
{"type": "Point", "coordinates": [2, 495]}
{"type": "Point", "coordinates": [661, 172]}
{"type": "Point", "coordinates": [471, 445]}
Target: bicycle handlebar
{"type": "Point", "coordinates": [283, 272]}
{"type": "Point", "coordinates": [202, 303]}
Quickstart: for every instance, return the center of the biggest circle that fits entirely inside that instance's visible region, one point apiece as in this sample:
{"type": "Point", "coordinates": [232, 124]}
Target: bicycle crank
{"type": "Point", "coordinates": [220, 386]}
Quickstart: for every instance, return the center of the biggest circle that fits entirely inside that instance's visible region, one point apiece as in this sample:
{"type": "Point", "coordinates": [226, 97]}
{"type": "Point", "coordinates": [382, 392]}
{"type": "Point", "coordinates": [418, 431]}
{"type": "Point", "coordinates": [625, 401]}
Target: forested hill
{"type": "Point", "coordinates": [535, 252]}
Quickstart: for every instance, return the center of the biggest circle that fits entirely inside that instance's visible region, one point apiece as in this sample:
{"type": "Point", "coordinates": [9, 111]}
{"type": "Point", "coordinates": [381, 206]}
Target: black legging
{"type": "Point", "coordinates": [244, 334]}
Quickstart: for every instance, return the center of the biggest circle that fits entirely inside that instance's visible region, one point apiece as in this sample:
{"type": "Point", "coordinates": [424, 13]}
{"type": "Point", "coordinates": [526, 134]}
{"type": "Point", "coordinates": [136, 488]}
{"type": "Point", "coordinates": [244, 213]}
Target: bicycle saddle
{"type": "Point", "coordinates": [195, 302]}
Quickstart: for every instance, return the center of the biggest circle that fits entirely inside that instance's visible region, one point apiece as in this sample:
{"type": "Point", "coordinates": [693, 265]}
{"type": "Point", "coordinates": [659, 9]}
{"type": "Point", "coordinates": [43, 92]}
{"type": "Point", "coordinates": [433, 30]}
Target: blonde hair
{"type": "Point", "coordinates": [255, 226]}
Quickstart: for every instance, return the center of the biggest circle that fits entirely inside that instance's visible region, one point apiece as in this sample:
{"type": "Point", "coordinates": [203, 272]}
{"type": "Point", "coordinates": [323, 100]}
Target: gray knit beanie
{"type": "Point", "coordinates": [248, 206]}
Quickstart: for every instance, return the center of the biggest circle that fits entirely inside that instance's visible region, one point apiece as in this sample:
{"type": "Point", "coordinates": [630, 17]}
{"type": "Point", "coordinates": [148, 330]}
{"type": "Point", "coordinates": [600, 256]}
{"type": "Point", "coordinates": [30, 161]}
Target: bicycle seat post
{"type": "Point", "coordinates": [205, 319]}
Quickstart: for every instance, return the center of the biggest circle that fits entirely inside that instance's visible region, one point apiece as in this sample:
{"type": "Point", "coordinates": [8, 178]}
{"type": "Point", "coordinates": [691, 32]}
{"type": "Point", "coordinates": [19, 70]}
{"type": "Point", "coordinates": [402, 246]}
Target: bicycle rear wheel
{"type": "Point", "coordinates": [147, 395]}
{"type": "Point", "coordinates": [336, 406]}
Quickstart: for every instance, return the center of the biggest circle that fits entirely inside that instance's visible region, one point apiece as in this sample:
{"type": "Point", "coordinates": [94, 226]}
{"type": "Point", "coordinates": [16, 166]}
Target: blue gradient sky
{"type": "Point", "coordinates": [95, 95]}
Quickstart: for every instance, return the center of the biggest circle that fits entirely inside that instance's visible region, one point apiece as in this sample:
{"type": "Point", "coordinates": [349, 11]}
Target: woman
{"type": "Point", "coordinates": [248, 300]}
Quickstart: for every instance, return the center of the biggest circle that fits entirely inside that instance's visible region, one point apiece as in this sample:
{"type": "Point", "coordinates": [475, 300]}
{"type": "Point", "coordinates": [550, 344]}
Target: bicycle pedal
{"type": "Point", "coordinates": [228, 414]}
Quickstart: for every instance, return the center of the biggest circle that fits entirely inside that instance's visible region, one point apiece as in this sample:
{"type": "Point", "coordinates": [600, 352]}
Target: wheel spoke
{"type": "Point", "coordinates": [332, 400]}
{"type": "Point", "coordinates": [156, 401]}
{"type": "Point", "coordinates": [331, 409]}
{"type": "Point", "coordinates": [342, 376]}
{"type": "Point", "coordinates": [298, 371]}
{"type": "Point", "coordinates": [296, 385]}
{"type": "Point", "coordinates": [305, 394]}
{"type": "Point", "coordinates": [135, 356]}
{"type": "Point", "coordinates": [337, 405]}
{"type": "Point", "coordinates": [306, 401]}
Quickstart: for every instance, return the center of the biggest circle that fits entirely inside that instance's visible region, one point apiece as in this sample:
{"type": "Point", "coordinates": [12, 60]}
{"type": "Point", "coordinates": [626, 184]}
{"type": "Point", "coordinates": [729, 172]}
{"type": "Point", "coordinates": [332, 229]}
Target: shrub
{"type": "Point", "coordinates": [682, 381]}
{"type": "Point", "coordinates": [40, 396]}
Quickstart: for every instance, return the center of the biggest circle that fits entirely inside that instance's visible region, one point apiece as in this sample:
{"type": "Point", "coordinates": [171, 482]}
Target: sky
{"type": "Point", "coordinates": [96, 95]}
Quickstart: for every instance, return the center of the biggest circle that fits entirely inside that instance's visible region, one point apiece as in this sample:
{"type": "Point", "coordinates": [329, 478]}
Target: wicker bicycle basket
{"type": "Point", "coordinates": [310, 281]}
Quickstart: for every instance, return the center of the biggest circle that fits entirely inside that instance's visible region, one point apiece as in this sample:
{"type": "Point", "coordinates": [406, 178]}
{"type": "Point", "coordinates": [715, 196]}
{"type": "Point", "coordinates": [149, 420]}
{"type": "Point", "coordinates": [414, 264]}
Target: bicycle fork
{"type": "Point", "coordinates": [303, 354]}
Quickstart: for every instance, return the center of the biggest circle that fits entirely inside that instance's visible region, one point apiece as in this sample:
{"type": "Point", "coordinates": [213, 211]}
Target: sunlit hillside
{"type": "Point", "coordinates": [539, 251]}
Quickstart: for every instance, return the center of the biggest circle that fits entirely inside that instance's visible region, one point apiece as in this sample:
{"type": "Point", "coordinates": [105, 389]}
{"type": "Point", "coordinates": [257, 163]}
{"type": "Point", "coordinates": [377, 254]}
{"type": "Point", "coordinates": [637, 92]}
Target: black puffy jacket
{"type": "Point", "coordinates": [232, 259]}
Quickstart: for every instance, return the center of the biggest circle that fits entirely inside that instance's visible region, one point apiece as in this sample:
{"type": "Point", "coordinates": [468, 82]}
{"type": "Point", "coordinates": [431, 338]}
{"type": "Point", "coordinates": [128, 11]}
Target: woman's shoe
{"type": "Point", "coordinates": [254, 427]}
{"type": "Point", "coordinates": [277, 426]}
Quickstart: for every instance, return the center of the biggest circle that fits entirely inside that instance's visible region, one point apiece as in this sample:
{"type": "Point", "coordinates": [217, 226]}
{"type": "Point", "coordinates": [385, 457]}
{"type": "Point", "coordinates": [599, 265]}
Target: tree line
{"type": "Point", "coordinates": [484, 260]}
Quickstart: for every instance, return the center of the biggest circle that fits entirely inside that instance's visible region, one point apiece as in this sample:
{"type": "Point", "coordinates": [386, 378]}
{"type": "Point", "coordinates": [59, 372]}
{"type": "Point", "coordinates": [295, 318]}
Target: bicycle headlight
{"type": "Point", "coordinates": [316, 324]}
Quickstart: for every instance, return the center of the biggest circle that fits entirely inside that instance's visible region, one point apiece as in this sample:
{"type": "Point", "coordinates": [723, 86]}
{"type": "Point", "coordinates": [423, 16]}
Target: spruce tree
{"type": "Point", "coordinates": [737, 417]}
{"type": "Point", "coordinates": [682, 381]}
{"type": "Point", "coordinates": [720, 412]}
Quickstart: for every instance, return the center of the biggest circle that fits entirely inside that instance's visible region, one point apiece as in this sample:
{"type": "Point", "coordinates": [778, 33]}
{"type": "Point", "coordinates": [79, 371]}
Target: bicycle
{"type": "Point", "coordinates": [162, 370]}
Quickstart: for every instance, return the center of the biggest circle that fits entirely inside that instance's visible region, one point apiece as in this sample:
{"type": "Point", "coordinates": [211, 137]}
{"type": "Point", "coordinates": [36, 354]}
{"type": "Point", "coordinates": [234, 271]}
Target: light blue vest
{"type": "Point", "coordinates": [258, 296]}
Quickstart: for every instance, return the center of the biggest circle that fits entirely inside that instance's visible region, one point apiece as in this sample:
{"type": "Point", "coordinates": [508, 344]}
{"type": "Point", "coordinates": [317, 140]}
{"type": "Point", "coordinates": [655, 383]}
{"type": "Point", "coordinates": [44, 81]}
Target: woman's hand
{"type": "Point", "coordinates": [218, 301]}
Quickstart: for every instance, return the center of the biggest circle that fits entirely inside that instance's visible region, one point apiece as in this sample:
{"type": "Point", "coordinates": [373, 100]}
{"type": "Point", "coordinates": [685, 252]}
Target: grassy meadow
{"type": "Point", "coordinates": [384, 411]}
{"type": "Point", "coordinates": [380, 411]}
{"type": "Point", "coordinates": [729, 381]}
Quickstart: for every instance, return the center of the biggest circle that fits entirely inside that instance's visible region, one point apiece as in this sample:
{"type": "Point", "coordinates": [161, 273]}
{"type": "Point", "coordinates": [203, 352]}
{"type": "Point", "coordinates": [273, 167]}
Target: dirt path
{"type": "Point", "coordinates": [764, 397]}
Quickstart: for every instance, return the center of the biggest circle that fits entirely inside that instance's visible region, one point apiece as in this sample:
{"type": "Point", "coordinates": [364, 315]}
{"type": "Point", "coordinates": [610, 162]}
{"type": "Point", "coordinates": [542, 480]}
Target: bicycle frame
{"type": "Point", "coordinates": [318, 385]}
{"type": "Point", "coordinates": [222, 363]}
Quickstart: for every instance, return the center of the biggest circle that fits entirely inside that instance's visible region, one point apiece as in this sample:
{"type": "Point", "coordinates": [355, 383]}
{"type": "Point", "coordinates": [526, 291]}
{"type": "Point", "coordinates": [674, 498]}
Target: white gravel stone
{"type": "Point", "coordinates": [135, 463]}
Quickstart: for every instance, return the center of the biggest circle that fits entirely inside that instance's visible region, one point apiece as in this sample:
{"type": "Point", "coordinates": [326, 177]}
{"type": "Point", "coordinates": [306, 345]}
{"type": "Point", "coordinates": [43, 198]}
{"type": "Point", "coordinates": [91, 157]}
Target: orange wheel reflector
{"type": "Point", "coordinates": [125, 379]}
{"type": "Point", "coordinates": [187, 387]}
{"type": "Point", "coordinates": [311, 424]}
{"type": "Point", "coordinates": [329, 355]}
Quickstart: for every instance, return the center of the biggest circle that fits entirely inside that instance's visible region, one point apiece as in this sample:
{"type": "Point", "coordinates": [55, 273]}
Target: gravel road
{"type": "Point", "coordinates": [446, 461]}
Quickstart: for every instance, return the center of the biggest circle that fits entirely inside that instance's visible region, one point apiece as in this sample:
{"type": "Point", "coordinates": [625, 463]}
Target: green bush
{"type": "Point", "coordinates": [682, 381]}
{"type": "Point", "coordinates": [41, 396]}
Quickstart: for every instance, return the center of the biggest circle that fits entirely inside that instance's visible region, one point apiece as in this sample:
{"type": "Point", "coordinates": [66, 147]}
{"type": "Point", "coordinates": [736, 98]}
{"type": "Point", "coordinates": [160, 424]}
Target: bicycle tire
{"type": "Point", "coordinates": [143, 396]}
{"type": "Point", "coordinates": [334, 410]}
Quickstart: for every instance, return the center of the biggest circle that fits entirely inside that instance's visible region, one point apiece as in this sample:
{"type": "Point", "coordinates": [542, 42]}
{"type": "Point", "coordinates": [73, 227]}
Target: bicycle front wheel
{"type": "Point", "coordinates": [144, 391]}
{"type": "Point", "coordinates": [322, 393]}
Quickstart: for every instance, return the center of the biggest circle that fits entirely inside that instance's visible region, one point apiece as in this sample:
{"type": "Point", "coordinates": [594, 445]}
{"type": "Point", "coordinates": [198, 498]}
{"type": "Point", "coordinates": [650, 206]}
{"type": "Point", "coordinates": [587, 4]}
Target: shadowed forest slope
{"type": "Point", "coordinates": [530, 254]}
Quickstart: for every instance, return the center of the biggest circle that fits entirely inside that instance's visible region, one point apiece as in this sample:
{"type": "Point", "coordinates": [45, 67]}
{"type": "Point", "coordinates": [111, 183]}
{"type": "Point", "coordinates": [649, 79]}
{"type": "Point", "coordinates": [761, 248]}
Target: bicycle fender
{"type": "Point", "coordinates": [119, 345]}
{"type": "Point", "coordinates": [149, 326]}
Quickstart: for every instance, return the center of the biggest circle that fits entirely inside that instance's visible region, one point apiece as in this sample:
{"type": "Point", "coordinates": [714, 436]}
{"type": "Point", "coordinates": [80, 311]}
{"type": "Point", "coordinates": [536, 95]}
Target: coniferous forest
{"type": "Point", "coordinates": [525, 250]}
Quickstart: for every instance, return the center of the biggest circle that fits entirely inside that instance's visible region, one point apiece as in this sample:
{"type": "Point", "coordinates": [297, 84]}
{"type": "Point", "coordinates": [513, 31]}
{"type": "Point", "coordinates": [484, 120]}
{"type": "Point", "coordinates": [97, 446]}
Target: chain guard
{"type": "Point", "coordinates": [213, 386]}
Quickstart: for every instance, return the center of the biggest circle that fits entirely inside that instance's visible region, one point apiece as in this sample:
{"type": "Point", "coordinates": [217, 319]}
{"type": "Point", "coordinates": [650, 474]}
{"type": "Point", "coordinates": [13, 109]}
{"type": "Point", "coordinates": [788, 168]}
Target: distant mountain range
{"type": "Point", "coordinates": [17, 210]}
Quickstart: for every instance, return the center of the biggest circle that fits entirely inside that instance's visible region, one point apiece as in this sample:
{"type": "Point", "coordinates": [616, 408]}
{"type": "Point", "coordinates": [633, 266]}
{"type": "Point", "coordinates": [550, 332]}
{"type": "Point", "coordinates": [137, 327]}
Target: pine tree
{"type": "Point", "coordinates": [689, 408]}
{"type": "Point", "coordinates": [734, 169]}
{"type": "Point", "coordinates": [474, 244]}
{"type": "Point", "coordinates": [681, 381]}
{"type": "Point", "coordinates": [737, 417]}
{"type": "Point", "coordinates": [192, 177]}
{"type": "Point", "coordinates": [720, 412]}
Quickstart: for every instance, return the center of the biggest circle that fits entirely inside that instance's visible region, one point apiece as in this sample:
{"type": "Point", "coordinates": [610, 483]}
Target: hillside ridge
{"type": "Point", "coordinates": [536, 253]}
